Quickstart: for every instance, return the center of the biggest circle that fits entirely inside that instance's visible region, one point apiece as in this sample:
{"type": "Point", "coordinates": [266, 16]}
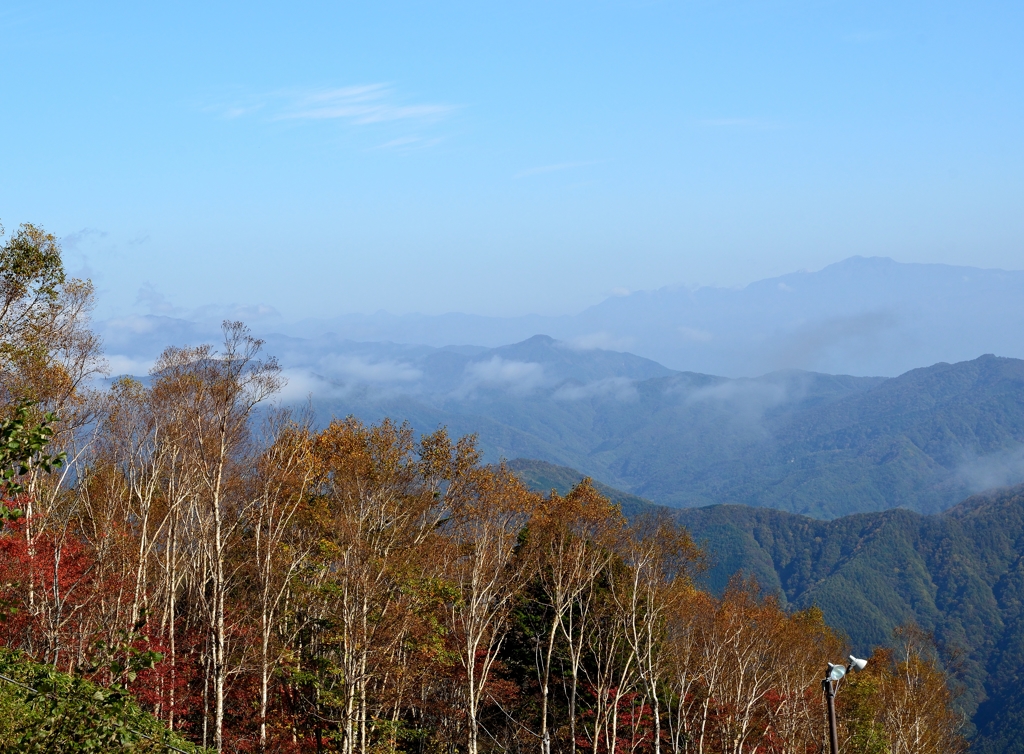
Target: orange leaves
{"type": "Point", "coordinates": [745, 674]}
{"type": "Point", "coordinates": [902, 701]}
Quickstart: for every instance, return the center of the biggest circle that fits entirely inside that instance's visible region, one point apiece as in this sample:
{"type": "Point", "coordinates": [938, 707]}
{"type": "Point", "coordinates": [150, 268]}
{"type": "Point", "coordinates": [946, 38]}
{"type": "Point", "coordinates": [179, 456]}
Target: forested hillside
{"type": "Point", "coordinates": [959, 575]}
{"type": "Point", "coordinates": [543, 477]}
{"type": "Point", "coordinates": [820, 445]}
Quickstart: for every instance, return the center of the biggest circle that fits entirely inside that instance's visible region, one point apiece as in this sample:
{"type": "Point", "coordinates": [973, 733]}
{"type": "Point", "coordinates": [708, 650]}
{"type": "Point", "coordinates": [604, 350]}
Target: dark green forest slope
{"type": "Point", "coordinates": [959, 574]}
{"type": "Point", "coordinates": [544, 477]}
{"type": "Point", "coordinates": [815, 444]}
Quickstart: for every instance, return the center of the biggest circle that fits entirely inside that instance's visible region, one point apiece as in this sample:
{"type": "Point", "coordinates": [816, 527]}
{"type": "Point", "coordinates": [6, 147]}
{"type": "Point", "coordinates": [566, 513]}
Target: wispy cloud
{"type": "Point", "coordinates": [620, 388]}
{"type": "Point", "coordinates": [694, 334]}
{"type": "Point", "coordinates": [79, 237]}
{"type": "Point", "coordinates": [359, 105]}
{"type": "Point", "coordinates": [744, 402]}
{"type": "Point", "coordinates": [599, 340]}
{"type": "Point", "coordinates": [120, 365]}
{"type": "Point", "coordinates": [1000, 469]}
{"type": "Point", "coordinates": [408, 143]}
{"type": "Point", "coordinates": [363, 370]}
{"type": "Point", "coordinates": [370, 103]}
{"type": "Point", "coordinates": [553, 168]}
{"type": "Point", "coordinates": [809, 346]}
{"type": "Point", "coordinates": [753, 124]}
{"type": "Point", "coordinates": [518, 377]}
{"type": "Point", "coordinates": [301, 384]}
{"type": "Point", "coordinates": [156, 302]}
{"type": "Point", "coordinates": [237, 111]}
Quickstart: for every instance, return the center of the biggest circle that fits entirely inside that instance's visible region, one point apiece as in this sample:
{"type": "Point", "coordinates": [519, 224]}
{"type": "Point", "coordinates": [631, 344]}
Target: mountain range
{"type": "Point", "coordinates": [860, 316]}
{"type": "Point", "coordinates": [868, 430]}
{"type": "Point", "coordinates": [815, 444]}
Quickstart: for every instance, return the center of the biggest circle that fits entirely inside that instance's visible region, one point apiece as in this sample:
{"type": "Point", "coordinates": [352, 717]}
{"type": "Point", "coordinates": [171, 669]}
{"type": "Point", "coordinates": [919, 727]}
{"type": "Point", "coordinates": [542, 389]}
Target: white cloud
{"type": "Point", "coordinates": [120, 365]}
{"type": "Point", "coordinates": [747, 393]}
{"type": "Point", "coordinates": [130, 325]}
{"type": "Point", "coordinates": [745, 402]}
{"type": "Point", "coordinates": [239, 111]}
{"type": "Point", "coordinates": [369, 103]}
{"type": "Point", "coordinates": [1000, 469]}
{"type": "Point", "coordinates": [300, 384]}
{"type": "Point", "coordinates": [358, 369]}
{"type": "Point", "coordinates": [517, 376]}
{"type": "Point", "coordinates": [599, 340]}
{"type": "Point", "coordinates": [249, 313]}
{"type": "Point", "coordinates": [359, 105]}
{"type": "Point", "coordinates": [694, 335]}
{"type": "Point", "coordinates": [552, 168]}
{"type": "Point", "coordinates": [341, 377]}
{"type": "Point", "coordinates": [618, 387]}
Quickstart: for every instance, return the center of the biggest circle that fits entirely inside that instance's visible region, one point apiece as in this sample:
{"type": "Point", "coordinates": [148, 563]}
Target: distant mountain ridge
{"type": "Point", "coordinates": [860, 316]}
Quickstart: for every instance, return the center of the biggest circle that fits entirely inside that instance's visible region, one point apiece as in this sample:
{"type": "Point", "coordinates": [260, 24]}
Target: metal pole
{"type": "Point", "coordinates": [830, 697]}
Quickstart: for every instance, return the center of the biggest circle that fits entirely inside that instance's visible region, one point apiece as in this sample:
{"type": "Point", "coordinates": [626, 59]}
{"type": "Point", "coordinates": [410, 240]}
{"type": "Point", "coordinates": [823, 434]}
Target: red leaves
{"type": "Point", "coordinates": [48, 591]}
{"type": "Point", "coordinates": [633, 729]}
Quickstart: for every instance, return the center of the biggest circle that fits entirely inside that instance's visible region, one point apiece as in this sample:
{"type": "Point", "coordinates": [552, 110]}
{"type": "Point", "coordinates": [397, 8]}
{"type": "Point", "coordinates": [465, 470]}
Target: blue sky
{"type": "Point", "coordinates": [504, 158]}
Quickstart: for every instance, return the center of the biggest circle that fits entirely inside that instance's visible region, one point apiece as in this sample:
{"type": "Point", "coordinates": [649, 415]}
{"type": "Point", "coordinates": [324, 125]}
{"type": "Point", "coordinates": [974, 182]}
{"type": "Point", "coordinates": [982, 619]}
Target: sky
{"type": "Point", "coordinates": [504, 158]}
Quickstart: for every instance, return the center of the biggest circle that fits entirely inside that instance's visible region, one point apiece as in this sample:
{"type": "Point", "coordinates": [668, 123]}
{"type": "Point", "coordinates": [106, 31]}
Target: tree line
{"type": "Point", "coordinates": [261, 583]}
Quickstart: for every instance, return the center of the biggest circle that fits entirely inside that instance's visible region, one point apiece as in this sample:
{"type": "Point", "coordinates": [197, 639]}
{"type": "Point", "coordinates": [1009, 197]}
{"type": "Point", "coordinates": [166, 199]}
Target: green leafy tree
{"type": "Point", "coordinates": [46, 711]}
{"type": "Point", "coordinates": [23, 447]}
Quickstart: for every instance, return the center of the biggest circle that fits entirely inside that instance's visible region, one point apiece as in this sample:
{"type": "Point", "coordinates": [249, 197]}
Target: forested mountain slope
{"type": "Point", "coordinates": [959, 574]}
{"type": "Point", "coordinates": [820, 445]}
{"type": "Point", "coordinates": [545, 477]}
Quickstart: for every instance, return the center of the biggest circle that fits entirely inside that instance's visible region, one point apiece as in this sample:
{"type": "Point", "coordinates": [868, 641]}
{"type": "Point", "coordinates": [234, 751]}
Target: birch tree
{"type": "Point", "coordinates": [659, 556]}
{"type": "Point", "coordinates": [376, 515]}
{"type": "Point", "coordinates": [488, 510]}
{"type": "Point", "coordinates": [222, 390]}
{"type": "Point", "coordinates": [279, 486]}
{"type": "Point", "coordinates": [573, 538]}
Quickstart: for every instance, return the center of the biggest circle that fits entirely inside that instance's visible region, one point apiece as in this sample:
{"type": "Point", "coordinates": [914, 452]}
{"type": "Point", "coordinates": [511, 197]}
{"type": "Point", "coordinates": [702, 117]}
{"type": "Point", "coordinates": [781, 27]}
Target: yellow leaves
{"type": "Point", "coordinates": [30, 266]}
{"type": "Point", "coordinates": [902, 703]}
{"type": "Point", "coordinates": [347, 451]}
